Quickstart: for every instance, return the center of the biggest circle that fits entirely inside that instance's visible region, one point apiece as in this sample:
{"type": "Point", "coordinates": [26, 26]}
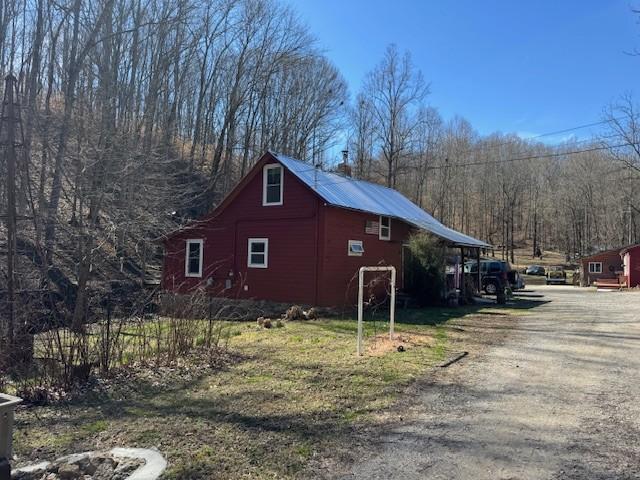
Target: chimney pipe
{"type": "Point", "coordinates": [344, 167]}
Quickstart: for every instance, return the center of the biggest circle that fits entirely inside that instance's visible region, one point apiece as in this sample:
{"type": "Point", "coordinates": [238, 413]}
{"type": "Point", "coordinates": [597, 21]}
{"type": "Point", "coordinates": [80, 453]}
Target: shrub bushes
{"type": "Point", "coordinates": [424, 269]}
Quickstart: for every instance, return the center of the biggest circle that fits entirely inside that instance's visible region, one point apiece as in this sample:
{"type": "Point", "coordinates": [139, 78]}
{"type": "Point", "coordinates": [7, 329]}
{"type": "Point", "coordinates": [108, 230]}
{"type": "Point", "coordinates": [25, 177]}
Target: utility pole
{"type": "Point", "coordinates": [13, 338]}
{"type": "Point", "coordinates": [630, 239]}
{"type": "Point", "coordinates": [9, 120]}
{"type": "Point", "coordinates": [629, 205]}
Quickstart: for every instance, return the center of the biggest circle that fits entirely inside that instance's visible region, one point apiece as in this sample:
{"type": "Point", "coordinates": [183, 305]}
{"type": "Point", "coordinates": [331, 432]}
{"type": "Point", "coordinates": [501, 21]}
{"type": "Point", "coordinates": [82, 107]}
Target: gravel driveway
{"type": "Point", "coordinates": [558, 399]}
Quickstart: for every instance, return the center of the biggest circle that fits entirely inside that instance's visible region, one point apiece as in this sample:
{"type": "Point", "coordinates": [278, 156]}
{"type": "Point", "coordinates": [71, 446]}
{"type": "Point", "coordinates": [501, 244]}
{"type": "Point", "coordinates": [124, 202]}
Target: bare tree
{"type": "Point", "coordinates": [362, 135]}
{"type": "Point", "coordinates": [395, 89]}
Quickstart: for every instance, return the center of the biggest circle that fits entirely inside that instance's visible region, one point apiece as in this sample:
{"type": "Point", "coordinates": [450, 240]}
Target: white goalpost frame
{"type": "Point", "coordinates": [392, 308]}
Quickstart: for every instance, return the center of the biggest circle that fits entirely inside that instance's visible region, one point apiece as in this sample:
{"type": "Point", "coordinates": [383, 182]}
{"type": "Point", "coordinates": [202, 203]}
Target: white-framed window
{"type": "Point", "coordinates": [355, 248]}
{"type": "Point", "coordinates": [193, 258]}
{"type": "Point", "coordinates": [595, 267]}
{"type": "Point", "coordinates": [272, 183]}
{"type": "Point", "coordinates": [384, 229]}
{"type": "Point", "coordinates": [258, 253]}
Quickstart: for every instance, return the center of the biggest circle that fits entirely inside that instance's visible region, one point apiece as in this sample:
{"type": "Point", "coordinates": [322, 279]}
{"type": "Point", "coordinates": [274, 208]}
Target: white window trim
{"type": "Point", "coordinates": [265, 170]}
{"type": "Point", "coordinates": [250, 242]}
{"type": "Point", "coordinates": [380, 236]}
{"type": "Point", "coordinates": [186, 257]}
{"type": "Point", "coordinates": [593, 270]}
{"type": "Point", "coordinates": [355, 254]}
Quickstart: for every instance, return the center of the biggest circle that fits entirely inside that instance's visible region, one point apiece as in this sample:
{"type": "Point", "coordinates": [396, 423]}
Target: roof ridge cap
{"type": "Point", "coordinates": [337, 174]}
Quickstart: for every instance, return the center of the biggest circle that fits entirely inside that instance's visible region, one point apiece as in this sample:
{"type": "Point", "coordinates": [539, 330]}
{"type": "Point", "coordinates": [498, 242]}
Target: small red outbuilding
{"type": "Point", "coordinates": [290, 232]}
{"type": "Point", "coordinates": [601, 268]}
{"type": "Point", "coordinates": [612, 268]}
{"type": "Point", "coordinates": [631, 261]}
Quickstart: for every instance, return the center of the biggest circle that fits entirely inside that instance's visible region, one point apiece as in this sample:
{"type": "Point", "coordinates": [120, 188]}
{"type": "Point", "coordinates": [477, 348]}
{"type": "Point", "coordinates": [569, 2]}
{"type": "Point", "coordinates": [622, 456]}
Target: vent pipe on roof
{"type": "Point", "coordinates": [344, 168]}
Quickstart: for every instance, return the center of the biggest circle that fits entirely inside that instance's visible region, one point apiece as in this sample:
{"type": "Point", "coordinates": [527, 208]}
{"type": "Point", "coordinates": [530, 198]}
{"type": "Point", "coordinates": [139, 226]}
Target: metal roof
{"type": "Point", "coordinates": [630, 247]}
{"type": "Point", "coordinates": [369, 197]}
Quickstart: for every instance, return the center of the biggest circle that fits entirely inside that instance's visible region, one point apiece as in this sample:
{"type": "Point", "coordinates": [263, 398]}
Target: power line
{"type": "Point", "coordinates": [488, 147]}
{"type": "Point", "coordinates": [536, 157]}
{"type": "Point", "coordinates": [579, 127]}
{"type": "Point", "coordinates": [488, 162]}
{"type": "Point", "coordinates": [532, 157]}
{"type": "Point", "coordinates": [547, 134]}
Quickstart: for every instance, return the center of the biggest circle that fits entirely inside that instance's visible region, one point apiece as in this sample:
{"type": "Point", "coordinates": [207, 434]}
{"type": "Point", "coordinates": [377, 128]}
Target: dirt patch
{"type": "Point", "coordinates": [382, 344]}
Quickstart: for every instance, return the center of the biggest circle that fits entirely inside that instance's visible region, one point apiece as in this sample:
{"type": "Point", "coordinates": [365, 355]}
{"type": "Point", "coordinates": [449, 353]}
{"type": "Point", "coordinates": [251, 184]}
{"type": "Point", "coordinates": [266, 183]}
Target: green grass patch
{"type": "Point", "coordinates": [95, 427]}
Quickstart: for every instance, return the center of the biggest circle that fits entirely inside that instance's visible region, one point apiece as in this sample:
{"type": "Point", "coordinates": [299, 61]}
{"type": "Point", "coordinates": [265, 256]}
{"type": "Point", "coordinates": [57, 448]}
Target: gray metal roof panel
{"type": "Point", "coordinates": [370, 197]}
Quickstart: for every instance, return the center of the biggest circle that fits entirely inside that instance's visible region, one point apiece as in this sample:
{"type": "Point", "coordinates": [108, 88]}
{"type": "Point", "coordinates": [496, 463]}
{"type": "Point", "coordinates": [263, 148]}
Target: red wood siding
{"type": "Point", "coordinates": [308, 259]}
{"type": "Point", "coordinates": [339, 271]}
{"type": "Point", "coordinates": [292, 232]}
{"type": "Point", "coordinates": [290, 275]}
{"type": "Point", "coordinates": [632, 266]}
{"type": "Point", "coordinates": [611, 263]}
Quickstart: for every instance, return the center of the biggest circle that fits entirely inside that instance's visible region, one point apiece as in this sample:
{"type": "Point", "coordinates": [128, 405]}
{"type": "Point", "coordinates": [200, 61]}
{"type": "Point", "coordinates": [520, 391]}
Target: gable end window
{"type": "Point", "coordinates": [258, 253]}
{"type": "Point", "coordinates": [272, 185]}
{"type": "Point", "coordinates": [595, 267]}
{"type": "Point", "coordinates": [193, 258]}
{"type": "Point", "coordinates": [384, 230]}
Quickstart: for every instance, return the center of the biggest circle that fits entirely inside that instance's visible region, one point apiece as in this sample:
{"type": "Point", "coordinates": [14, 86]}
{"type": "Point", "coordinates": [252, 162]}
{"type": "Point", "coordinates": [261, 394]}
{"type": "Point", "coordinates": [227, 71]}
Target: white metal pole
{"type": "Point", "coordinates": [360, 307]}
{"type": "Point", "coordinates": [392, 313]}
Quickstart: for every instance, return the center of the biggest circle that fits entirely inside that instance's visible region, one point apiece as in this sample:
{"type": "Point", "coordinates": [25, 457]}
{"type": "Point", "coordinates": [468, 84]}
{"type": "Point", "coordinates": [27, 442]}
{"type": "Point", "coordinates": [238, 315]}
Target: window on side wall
{"type": "Point", "coordinates": [193, 258]}
{"type": "Point", "coordinates": [355, 248]}
{"type": "Point", "coordinates": [595, 267]}
{"type": "Point", "coordinates": [272, 185]}
{"type": "Point", "coordinates": [258, 253]}
{"type": "Point", "coordinates": [384, 232]}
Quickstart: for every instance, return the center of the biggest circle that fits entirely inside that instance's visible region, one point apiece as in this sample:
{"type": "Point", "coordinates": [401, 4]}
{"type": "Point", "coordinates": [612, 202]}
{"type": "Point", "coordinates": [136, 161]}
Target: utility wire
{"type": "Point", "coordinates": [579, 127]}
{"type": "Point", "coordinates": [489, 162]}
{"type": "Point", "coordinates": [536, 157]}
{"type": "Point", "coordinates": [548, 134]}
{"type": "Point", "coordinates": [482, 148]}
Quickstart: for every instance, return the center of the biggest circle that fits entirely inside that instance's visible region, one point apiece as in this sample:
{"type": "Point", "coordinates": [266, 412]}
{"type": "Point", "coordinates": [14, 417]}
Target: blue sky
{"type": "Point", "coordinates": [510, 66]}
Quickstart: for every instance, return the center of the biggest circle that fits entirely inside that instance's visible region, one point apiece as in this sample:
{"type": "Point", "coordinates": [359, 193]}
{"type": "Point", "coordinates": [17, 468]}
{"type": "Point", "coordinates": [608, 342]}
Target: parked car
{"type": "Point", "coordinates": [556, 275]}
{"type": "Point", "coordinates": [494, 274]}
{"type": "Point", "coordinates": [535, 270]}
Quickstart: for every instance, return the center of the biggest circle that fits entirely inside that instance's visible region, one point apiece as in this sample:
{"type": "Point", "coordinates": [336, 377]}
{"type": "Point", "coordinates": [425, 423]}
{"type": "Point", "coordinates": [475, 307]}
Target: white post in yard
{"type": "Point", "coordinates": [392, 312]}
{"type": "Point", "coordinates": [392, 307]}
{"type": "Point", "coordinates": [360, 307]}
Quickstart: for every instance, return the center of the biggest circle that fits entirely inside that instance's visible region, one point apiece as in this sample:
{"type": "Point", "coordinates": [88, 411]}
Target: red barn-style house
{"type": "Point", "coordinates": [290, 232]}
